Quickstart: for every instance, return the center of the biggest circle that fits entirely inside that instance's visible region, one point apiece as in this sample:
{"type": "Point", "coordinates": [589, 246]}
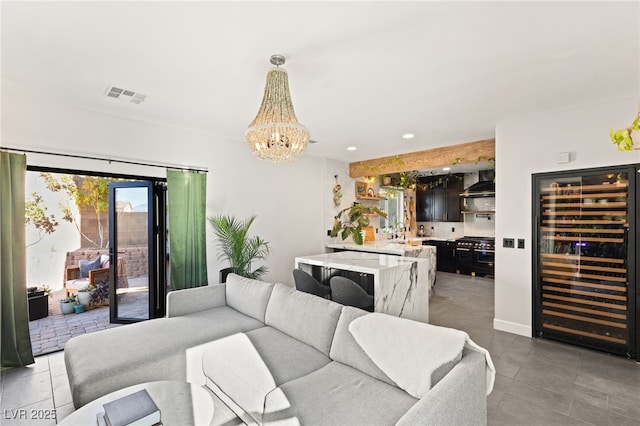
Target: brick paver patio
{"type": "Point", "coordinates": [49, 334]}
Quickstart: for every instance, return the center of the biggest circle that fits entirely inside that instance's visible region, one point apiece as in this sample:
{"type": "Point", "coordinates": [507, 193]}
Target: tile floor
{"type": "Point", "coordinates": [539, 382]}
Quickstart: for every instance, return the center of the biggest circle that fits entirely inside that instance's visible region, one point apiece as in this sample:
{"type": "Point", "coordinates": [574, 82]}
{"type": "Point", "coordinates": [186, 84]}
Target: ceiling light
{"type": "Point", "coordinates": [351, 148]}
{"type": "Point", "coordinates": [446, 169]}
{"type": "Point", "coordinates": [408, 136]}
{"type": "Point", "coordinates": [275, 133]}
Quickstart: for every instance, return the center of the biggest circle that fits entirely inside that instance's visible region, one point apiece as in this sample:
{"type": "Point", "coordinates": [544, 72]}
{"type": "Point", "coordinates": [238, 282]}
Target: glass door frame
{"type": "Point", "coordinates": [156, 245]}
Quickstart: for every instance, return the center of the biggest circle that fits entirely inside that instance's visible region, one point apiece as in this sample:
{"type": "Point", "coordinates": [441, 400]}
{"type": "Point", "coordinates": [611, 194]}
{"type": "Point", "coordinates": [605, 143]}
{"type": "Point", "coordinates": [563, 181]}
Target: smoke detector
{"type": "Point", "coordinates": [124, 94]}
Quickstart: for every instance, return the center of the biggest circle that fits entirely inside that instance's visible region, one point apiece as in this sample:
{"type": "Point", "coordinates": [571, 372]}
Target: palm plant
{"type": "Point", "coordinates": [237, 247]}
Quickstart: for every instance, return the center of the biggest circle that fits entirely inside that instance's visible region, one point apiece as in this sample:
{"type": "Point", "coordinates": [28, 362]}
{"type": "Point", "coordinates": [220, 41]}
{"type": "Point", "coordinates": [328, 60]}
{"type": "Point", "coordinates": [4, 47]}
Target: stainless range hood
{"type": "Point", "coordinates": [486, 187]}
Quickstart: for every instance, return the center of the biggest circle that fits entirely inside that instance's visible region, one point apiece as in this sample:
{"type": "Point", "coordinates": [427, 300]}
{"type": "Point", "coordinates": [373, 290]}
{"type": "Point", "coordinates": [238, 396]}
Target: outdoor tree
{"type": "Point", "coordinates": [86, 192]}
{"type": "Point", "coordinates": [37, 215]}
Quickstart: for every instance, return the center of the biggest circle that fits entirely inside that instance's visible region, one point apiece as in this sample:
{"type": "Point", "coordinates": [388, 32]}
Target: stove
{"type": "Point", "coordinates": [475, 255]}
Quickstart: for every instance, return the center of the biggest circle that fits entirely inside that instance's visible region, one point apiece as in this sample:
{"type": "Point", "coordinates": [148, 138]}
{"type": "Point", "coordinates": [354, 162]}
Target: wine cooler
{"type": "Point", "coordinates": [585, 258]}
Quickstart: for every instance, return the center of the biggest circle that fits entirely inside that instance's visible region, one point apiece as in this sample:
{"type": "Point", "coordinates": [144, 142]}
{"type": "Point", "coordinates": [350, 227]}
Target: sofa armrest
{"type": "Point", "coordinates": [460, 398]}
{"type": "Point", "coordinates": [190, 300]}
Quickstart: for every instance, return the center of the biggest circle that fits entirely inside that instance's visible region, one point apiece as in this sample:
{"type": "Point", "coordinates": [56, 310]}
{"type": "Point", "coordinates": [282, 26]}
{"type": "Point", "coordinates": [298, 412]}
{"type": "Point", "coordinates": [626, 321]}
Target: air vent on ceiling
{"type": "Point", "coordinates": [124, 94]}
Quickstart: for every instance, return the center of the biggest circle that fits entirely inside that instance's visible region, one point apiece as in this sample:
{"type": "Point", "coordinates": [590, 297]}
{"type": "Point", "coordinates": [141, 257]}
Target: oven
{"type": "Point", "coordinates": [475, 255]}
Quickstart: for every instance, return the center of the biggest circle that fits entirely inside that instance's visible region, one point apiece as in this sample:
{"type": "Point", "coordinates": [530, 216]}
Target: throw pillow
{"type": "Point", "coordinates": [88, 265]}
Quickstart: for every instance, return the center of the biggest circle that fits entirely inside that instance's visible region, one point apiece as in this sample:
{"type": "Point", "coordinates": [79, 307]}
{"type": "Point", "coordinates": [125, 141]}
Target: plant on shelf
{"type": "Point", "coordinates": [628, 138]}
{"type": "Point", "coordinates": [356, 220]}
{"type": "Point", "coordinates": [237, 247]}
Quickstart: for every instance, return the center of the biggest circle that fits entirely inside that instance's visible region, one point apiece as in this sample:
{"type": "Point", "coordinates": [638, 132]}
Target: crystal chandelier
{"type": "Point", "coordinates": [275, 133]}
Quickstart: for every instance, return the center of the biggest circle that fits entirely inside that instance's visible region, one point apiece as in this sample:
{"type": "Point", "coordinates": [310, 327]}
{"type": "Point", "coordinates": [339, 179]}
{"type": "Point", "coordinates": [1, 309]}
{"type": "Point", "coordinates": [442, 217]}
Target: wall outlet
{"type": "Point", "coordinates": [508, 242]}
{"type": "Point", "coordinates": [328, 232]}
{"type": "Point", "coordinates": [520, 243]}
{"type": "Point", "coordinates": [453, 229]}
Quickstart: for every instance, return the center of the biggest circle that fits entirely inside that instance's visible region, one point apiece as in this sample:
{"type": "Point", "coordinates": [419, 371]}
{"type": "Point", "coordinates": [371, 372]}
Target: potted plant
{"type": "Point", "coordinates": [356, 220]}
{"type": "Point", "coordinates": [385, 179]}
{"type": "Point", "coordinates": [66, 304]}
{"type": "Point", "coordinates": [100, 295]}
{"type": "Point", "coordinates": [78, 307]}
{"type": "Point", "coordinates": [84, 295]}
{"type": "Point", "coordinates": [237, 247]}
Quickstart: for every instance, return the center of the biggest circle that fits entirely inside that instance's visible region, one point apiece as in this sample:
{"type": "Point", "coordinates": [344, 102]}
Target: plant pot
{"type": "Point", "coordinates": [78, 309]}
{"type": "Point", "coordinates": [386, 180]}
{"type": "Point", "coordinates": [38, 305]}
{"type": "Point", "coordinates": [223, 274]}
{"type": "Point", "coordinates": [66, 308]}
{"type": "Point", "coordinates": [84, 298]}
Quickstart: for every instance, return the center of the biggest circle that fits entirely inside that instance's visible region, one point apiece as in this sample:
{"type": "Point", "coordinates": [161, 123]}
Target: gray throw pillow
{"type": "Point", "coordinates": [88, 265]}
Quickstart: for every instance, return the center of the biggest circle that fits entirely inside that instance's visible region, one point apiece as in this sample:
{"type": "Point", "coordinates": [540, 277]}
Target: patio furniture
{"type": "Point", "coordinates": [97, 272]}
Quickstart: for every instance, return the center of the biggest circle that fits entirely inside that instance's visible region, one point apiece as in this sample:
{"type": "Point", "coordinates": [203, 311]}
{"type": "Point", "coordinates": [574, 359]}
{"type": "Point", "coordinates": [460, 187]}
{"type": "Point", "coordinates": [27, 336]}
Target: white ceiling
{"type": "Point", "coordinates": [361, 73]}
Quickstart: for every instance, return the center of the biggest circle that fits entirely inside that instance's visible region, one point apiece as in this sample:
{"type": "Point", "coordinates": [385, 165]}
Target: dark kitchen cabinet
{"type": "Point", "coordinates": [445, 255]}
{"type": "Point", "coordinates": [438, 198]}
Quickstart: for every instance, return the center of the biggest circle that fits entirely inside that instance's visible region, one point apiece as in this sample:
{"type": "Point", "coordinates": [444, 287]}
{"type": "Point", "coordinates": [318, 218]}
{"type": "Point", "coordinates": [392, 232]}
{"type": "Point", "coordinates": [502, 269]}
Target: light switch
{"type": "Point", "coordinates": [520, 243]}
{"type": "Point", "coordinates": [507, 242]}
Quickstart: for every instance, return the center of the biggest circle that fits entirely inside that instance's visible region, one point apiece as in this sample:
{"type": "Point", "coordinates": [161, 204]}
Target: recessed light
{"type": "Point", "coordinates": [408, 136]}
{"type": "Point", "coordinates": [446, 169]}
{"type": "Point", "coordinates": [351, 148]}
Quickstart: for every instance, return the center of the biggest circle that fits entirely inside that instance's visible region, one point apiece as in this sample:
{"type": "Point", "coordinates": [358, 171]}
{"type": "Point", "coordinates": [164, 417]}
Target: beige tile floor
{"type": "Point", "coordinates": [539, 381]}
{"type": "Point", "coordinates": [35, 395]}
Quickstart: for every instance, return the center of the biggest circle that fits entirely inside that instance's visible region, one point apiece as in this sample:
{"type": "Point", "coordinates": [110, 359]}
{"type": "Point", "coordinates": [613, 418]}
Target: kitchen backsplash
{"type": "Point", "coordinates": [474, 226]}
{"type": "Point", "coordinates": [480, 225]}
{"type": "Point", "coordinates": [443, 229]}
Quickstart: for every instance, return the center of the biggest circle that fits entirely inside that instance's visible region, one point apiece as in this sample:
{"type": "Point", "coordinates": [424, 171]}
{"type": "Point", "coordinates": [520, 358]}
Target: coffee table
{"type": "Point", "coordinates": [180, 403]}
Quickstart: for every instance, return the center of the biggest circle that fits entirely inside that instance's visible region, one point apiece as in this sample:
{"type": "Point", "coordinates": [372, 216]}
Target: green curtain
{"type": "Point", "coordinates": [15, 342]}
{"type": "Point", "coordinates": [187, 225]}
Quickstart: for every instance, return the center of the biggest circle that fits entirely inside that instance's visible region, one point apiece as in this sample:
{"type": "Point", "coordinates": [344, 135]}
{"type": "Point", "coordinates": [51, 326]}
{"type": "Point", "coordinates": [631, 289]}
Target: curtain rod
{"type": "Point", "coordinates": [110, 160]}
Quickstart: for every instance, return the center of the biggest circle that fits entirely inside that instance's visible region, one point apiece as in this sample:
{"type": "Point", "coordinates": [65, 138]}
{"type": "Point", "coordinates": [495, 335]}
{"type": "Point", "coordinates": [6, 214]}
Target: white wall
{"type": "Point", "coordinates": [287, 198]}
{"type": "Point", "coordinates": [528, 145]}
{"type": "Point", "coordinates": [46, 256]}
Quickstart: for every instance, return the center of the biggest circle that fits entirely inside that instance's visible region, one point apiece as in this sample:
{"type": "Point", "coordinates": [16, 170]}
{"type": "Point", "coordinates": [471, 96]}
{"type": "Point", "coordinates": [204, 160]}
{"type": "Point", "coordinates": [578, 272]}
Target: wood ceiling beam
{"type": "Point", "coordinates": [470, 152]}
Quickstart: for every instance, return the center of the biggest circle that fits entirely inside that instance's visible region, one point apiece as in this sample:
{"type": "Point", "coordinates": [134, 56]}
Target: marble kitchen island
{"type": "Point", "coordinates": [400, 285]}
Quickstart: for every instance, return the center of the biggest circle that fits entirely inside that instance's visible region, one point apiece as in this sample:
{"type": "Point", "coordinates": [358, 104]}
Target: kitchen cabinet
{"type": "Point", "coordinates": [445, 254]}
{"type": "Point", "coordinates": [438, 198]}
{"type": "Point", "coordinates": [586, 257]}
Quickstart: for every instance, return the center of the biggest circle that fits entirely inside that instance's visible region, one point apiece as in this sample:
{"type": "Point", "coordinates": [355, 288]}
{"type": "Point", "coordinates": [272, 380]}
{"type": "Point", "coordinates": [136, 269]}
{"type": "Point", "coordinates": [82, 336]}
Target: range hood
{"type": "Point", "coordinates": [486, 187]}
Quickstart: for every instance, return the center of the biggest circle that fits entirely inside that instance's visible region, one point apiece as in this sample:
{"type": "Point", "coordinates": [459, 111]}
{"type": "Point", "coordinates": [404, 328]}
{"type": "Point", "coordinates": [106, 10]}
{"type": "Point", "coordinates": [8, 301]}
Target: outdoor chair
{"type": "Point", "coordinates": [92, 272]}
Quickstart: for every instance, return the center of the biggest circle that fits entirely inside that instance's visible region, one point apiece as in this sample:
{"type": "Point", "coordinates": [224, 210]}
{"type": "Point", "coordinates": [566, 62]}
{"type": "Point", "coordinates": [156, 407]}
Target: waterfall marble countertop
{"type": "Point", "coordinates": [385, 247]}
{"type": "Point", "coordinates": [401, 284]}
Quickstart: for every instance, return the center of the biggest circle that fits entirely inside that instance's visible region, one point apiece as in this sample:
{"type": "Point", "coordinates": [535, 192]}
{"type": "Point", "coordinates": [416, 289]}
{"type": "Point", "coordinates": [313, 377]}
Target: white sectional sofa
{"type": "Point", "coordinates": [276, 355]}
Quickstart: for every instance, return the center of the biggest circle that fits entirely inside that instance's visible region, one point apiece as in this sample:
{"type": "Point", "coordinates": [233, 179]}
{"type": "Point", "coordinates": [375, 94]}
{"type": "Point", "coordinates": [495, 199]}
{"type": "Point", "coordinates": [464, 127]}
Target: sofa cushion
{"type": "Point", "coordinates": [247, 366]}
{"type": "Point", "coordinates": [336, 394]}
{"type": "Point", "coordinates": [144, 351]}
{"type": "Point", "coordinates": [88, 265]}
{"type": "Point", "coordinates": [346, 350]}
{"type": "Point", "coordinates": [248, 296]}
{"type": "Point", "coordinates": [303, 316]}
